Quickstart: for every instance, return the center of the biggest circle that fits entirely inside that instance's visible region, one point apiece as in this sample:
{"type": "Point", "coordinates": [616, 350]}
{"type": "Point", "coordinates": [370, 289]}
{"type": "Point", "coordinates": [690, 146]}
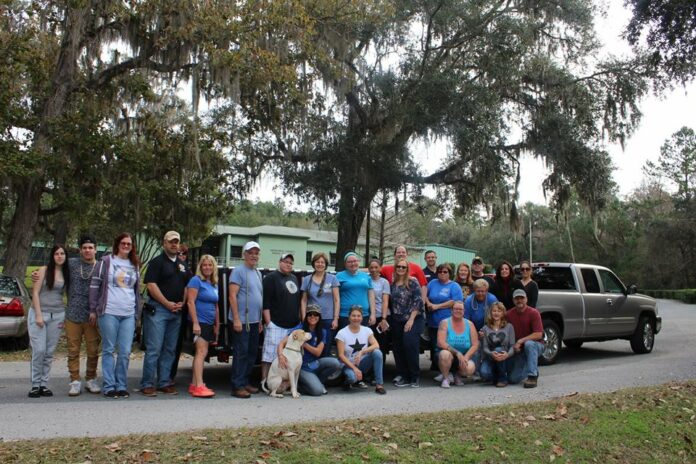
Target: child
{"type": "Point", "coordinates": [498, 346]}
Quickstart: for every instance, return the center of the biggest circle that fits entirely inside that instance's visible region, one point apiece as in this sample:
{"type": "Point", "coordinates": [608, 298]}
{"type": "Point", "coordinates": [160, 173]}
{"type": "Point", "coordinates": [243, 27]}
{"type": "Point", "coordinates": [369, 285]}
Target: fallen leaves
{"type": "Point", "coordinates": [113, 447]}
{"type": "Point", "coordinates": [425, 444]}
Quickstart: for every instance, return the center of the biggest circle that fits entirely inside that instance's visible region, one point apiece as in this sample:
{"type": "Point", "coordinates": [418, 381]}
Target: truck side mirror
{"type": "Point", "coordinates": [633, 288]}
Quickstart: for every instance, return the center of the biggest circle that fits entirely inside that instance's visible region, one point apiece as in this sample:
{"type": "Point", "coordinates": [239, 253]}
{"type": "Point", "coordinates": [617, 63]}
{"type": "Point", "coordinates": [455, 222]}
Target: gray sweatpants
{"type": "Point", "coordinates": [43, 344]}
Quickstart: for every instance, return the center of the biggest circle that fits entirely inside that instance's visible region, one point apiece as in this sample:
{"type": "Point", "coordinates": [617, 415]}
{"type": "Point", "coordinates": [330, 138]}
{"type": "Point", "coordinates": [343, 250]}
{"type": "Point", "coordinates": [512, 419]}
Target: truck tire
{"type": "Point", "coordinates": [573, 344]}
{"type": "Point", "coordinates": [552, 343]}
{"type": "Point", "coordinates": [643, 338]}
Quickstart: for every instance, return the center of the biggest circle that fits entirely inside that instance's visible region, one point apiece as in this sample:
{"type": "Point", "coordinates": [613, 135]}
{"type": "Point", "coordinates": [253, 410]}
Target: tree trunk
{"type": "Point", "coordinates": [382, 222]}
{"type": "Point", "coordinates": [351, 214]}
{"type": "Point", "coordinates": [21, 230]}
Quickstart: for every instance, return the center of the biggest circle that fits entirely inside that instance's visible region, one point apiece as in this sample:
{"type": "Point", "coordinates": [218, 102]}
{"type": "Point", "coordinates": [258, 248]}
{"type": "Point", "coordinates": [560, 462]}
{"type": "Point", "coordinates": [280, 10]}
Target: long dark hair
{"type": "Point", "coordinates": [132, 255]}
{"type": "Point", "coordinates": [51, 269]}
{"type": "Point", "coordinates": [317, 329]}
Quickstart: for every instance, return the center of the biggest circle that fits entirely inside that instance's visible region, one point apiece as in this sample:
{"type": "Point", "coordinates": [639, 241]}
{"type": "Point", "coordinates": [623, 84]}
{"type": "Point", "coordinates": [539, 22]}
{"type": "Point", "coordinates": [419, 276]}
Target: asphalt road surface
{"type": "Point", "coordinates": [597, 367]}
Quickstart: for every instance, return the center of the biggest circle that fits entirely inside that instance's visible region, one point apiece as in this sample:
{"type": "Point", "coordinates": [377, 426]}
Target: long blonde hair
{"type": "Point", "coordinates": [214, 275]}
{"type": "Point", "coordinates": [503, 319]}
{"type": "Point", "coordinates": [398, 280]}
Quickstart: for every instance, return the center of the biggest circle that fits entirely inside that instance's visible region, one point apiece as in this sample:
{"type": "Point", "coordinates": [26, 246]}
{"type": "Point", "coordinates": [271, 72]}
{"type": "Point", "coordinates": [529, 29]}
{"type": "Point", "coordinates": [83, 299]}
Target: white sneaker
{"type": "Point", "coordinates": [445, 383]}
{"type": "Point", "coordinates": [458, 381]}
{"type": "Point", "coordinates": [450, 377]}
{"type": "Point", "coordinates": [93, 386]}
{"type": "Point", "coordinates": [75, 388]}
{"type": "Point", "coordinates": [438, 378]}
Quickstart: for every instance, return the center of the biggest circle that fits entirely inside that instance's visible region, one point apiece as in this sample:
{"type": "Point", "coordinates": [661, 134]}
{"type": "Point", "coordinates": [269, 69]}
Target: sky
{"type": "Point", "coordinates": [663, 115]}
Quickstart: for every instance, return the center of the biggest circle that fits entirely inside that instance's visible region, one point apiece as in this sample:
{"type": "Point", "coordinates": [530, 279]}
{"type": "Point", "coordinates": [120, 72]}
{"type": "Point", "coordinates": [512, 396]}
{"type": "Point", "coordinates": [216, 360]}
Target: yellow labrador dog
{"type": "Point", "coordinates": [279, 378]}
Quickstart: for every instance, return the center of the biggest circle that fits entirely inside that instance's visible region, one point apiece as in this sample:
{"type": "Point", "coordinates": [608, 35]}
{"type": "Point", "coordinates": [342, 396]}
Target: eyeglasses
{"type": "Point", "coordinates": [126, 244]}
{"type": "Point", "coordinates": [444, 271]}
{"type": "Point", "coordinates": [401, 267]}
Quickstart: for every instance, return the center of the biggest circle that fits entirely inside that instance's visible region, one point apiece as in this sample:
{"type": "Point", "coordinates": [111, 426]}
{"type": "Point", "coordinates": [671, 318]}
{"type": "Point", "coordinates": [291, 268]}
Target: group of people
{"type": "Point", "coordinates": [478, 325]}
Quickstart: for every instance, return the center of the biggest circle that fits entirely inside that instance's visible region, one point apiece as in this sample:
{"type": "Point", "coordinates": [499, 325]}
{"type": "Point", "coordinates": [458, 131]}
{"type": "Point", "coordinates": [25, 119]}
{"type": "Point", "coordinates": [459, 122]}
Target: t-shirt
{"type": "Point", "coordinates": [476, 311]}
{"type": "Point", "coordinates": [354, 342]}
{"type": "Point", "coordinates": [78, 293]}
{"type": "Point", "coordinates": [281, 295]}
{"type": "Point", "coordinates": [206, 300]}
{"type": "Point", "coordinates": [122, 280]}
{"type": "Point", "coordinates": [439, 293]}
{"type": "Point", "coordinates": [170, 276]}
{"type": "Point", "coordinates": [250, 295]}
{"type": "Point", "coordinates": [414, 270]}
{"type": "Point", "coordinates": [429, 275]}
{"type": "Point", "coordinates": [498, 340]}
{"type": "Point", "coordinates": [325, 301]}
{"type": "Point", "coordinates": [354, 291]}
{"type": "Point", "coordinates": [525, 323]}
{"type": "Point", "coordinates": [381, 288]}
{"type": "Point", "coordinates": [309, 361]}
{"type": "Point", "coordinates": [531, 289]}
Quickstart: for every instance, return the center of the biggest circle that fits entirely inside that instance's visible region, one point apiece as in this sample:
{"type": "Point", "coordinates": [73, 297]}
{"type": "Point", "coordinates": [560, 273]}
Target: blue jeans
{"type": "Point", "coordinates": [327, 335]}
{"type": "Point", "coordinates": [406, 347]}
{"type": "Point", "coordinates": [117, 333]}
{"type": "Point", "coordinates": [524, 363]}
{"type": "Point", "coordinates": [245, 347]}
{"type": "Point", "coordinates": [312, 382]}
{"type": "Point", "coordinates": [368, 362]}
{"type": "Point", "coordinates": [43, 343]}
{"type": "Point", "coordinates": [161, 336]}
{"type": "Point", "coordinates": [492, 370]}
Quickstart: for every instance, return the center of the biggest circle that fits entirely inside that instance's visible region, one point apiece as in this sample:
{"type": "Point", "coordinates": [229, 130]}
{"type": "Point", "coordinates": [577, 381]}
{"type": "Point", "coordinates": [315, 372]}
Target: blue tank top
{"type": "Point", "coordinates": [460, 342]}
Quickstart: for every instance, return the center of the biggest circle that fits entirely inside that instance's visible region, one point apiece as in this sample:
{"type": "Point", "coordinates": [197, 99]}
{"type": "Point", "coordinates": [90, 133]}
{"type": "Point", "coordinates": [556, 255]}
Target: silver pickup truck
{"type": "Point", "coordinates": [582, 303]}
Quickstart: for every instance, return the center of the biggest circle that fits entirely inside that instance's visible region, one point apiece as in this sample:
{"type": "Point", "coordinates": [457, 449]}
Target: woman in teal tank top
{"type": "Point", "coordinates": [457, 341]}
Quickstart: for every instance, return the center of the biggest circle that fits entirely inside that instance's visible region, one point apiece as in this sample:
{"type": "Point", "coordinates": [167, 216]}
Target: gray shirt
{"type": "Point", "coordinates": [498, 340]}
{"type": "Point", "coordinates": [78, 293]}
{"type": "Point", "coordinates": [250, 295]}
{"type": "Point", "coordinates": [51, 300]}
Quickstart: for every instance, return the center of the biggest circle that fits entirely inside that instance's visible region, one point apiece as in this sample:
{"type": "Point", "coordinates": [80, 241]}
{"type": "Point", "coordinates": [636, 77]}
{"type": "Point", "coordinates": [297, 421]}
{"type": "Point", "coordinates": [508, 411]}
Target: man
{"type": "Point", "coordinates": [79, 323]}
{"type": "Point", "coordinates": [529, 332]}
{"type": "Point", "coordinates": [166, 280]}
{"type": "Point", "coordinates": [246, 302]}
{"type": "Point", "coordinates": [414, 270]}
{"type": "Point", "coordinates": [281, 309]}
{"type": "Point", "coordinates": [478, 304]}
{"type": "Point", "coordinates": [430, 270]}
{"type": "Point", "coordinates": [477, 273]}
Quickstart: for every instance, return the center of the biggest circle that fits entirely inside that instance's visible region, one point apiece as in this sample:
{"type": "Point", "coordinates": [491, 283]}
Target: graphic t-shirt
{"type": "Point", "coordinates": [439, 293]}
{"type": "Point", "coordinates": [354, 342]}
{"type": "Point", "coordinates": [206, 300]}
{"type": "Point", "coordinates": [281, 295]}
{"type": "Point", "coordinates": [122, 279]}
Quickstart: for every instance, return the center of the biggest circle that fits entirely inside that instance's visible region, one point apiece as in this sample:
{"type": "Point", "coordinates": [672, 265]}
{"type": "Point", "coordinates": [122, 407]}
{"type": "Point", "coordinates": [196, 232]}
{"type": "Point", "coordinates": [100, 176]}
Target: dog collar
{"type": "Point", "coordinates": [292, 349]}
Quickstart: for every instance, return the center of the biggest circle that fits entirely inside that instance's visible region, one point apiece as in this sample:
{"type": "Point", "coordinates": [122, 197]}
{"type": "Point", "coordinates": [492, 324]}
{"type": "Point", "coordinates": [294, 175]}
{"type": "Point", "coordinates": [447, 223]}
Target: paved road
{"type": "Point", "coordinates": [597, 367]}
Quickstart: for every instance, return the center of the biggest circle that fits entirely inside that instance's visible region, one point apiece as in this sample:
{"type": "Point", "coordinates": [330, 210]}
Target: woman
{"type": "Point", "coordinates": [498, 345]}
{"type": "Point", "coordinates": [321, 288]}
{"type": "Point", "coordinates": [529, 286]}
{"type": "Point", "coordinates": [114, 298]}
{"type": "Point", "coordinates": [355, 290]}
{"type": "Point", "coordinates": [46, 319]}
{"type": "Point", "coordinates": [464, 279]}
{"type": "Point", "coordinates": [505, 284]}
{"type": "Point", "coordinates": [458, 342]}
{"type": "Point", "coordinates": [406, 326]}
{"type": "Point", "coordinates": [316, 368]}
{"type": "Point", "coordinates": [441, 295]}
{"type": "Point", "coordinates": [382, 290]}
{"type": "Point", "coordinates": [359, 352]}
{"type": "Point", "coordinates": [202, 301]}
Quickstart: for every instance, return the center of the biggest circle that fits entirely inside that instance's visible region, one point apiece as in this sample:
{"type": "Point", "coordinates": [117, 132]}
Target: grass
{"type": "Point", "coordinates": [654, 424]}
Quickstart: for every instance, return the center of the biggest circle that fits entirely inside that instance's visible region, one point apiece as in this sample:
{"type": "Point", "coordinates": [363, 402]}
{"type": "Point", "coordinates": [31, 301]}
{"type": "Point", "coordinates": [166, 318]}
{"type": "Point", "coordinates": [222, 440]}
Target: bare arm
{"type": "Point", "coordinates": [234, 307]}
{"type": "Point", "coordinates": [191, 295]}
{"type": "Point", "coordinates": [35, 299]}
{"type": "Point", "coordinates": [303, 305]}
{"type": "Point", "coordinates": [474, 341]}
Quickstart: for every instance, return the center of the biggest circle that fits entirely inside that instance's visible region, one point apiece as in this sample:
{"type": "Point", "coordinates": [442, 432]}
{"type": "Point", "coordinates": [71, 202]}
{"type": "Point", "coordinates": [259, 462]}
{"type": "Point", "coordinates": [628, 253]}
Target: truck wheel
{"type": "Point", "coordinates": [573, 344]}
{"type": "Point", "coordinates": [552, 343]}
{"type": "Point", "coordinates": [643, 338]}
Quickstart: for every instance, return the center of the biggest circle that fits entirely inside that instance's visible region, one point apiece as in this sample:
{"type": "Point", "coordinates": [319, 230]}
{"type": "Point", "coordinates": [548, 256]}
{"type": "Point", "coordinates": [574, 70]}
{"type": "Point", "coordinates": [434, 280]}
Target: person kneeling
{"type": "Point", "coordinates": [359, 352]}
{"type": "Point", "coordinates": [498, 346]}
{"type": "Point", "coordinates": [458, 342]}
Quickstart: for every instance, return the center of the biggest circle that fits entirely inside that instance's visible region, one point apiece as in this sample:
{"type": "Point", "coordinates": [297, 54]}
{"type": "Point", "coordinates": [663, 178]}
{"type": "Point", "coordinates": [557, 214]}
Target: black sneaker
{"type": "Point", "coordinates": [402, 383]}
{"type": "Point", "coordinates": [361, 385]}
{"type": "Point", "coordinates": [531, 381]}
{"type": "Point", "coordinates": [34, 392]}
{"type": "Point", "coordinates": [113, 394]}
{"type": "Point", "coordinates": [123, 394]}
{"type": "Point", "coordinates": [44, 391]}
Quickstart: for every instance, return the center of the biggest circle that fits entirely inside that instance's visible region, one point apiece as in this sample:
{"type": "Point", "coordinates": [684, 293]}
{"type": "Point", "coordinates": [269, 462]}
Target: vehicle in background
{"type": "Point", "coordinates": [15, 304]}
{"type": "Point", "coordinates": [588, 303]}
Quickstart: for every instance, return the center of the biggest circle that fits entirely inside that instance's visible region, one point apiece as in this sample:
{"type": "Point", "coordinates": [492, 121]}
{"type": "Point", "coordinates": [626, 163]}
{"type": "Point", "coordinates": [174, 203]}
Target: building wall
{"type": "Point", "coordinates": [447, 254]}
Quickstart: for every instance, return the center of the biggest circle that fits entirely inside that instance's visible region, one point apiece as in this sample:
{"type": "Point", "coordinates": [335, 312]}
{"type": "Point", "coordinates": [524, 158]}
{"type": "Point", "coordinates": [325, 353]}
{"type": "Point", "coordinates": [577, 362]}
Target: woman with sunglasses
{"type": "Point", "coordinates": [530, 287]}
{"type": "Point", "coordinates": [114, 297]}
{"type": "Point", "coordinates": [406, 316]}
{"type": "Point", "coordinates": [316, 368]}
{"type": "Point", "coordinates": [441, 295]}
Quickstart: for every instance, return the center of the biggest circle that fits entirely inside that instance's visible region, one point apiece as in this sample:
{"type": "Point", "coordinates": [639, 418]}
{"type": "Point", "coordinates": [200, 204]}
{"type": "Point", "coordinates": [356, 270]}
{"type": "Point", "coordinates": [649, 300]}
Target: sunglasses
{"type": "Point", "coordinates": [401, 267]}
{"type": "Point", "coordinates": [525, 269]}
{"type": "Point", "coordinates": [312, 315]}
{"type": "Point", "coordinates": [444, 271]}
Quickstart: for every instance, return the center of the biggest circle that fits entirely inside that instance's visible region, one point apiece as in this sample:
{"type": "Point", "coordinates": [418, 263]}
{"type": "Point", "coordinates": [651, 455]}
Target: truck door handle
{"type": "Point", "coordinates": [610, 302]}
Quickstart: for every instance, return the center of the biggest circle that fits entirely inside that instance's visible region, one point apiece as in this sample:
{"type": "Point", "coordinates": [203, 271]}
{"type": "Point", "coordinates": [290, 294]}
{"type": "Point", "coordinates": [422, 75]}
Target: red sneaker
{"type": "Point", "coordinates": [202, 391]}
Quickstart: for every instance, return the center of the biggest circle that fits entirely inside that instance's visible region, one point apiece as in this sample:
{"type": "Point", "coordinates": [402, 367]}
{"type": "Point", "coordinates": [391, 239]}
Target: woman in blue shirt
{"type": "Point", "coordinates": [202, 301]}
{"type": "Point", "coordinates": [441, 295]}
{"type": "Point", "coordinates": [356, 290]}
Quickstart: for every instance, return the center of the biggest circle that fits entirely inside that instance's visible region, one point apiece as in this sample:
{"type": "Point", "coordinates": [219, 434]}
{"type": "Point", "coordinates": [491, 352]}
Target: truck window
{"type": "Point", "coordinates": [611, 283]}
{"type": "Point", "coordinates": [590, 278]}
{"type": "Point", "coordinates": [554, 278]}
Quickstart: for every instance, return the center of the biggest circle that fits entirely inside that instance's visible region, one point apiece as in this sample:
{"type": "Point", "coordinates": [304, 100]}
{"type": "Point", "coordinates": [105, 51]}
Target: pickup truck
{"type": "Point", "coordinates": [583, 303]}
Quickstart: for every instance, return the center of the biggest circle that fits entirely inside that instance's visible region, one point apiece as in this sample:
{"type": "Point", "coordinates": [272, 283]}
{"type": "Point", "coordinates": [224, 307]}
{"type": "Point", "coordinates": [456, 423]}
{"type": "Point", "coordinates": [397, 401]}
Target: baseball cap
{"type": "Point", "coordinates": [287, 255]}
{"type": "Point", "coordinates": [312, 308]}
{"type": "Point", "coordinates": [249, 245]}
{"type": "Point", "coordinates": [477, 258]}
{"type": "Point", "coordinates": [87, 238]}
{"type": "Point", "coordinates": [519, 292]}
{"type": "Point", "coordinates": [172, 235]}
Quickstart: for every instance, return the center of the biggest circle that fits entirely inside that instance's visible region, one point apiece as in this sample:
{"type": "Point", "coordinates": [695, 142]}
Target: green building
{"type": "Point", "coordinates": [445, 254]}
